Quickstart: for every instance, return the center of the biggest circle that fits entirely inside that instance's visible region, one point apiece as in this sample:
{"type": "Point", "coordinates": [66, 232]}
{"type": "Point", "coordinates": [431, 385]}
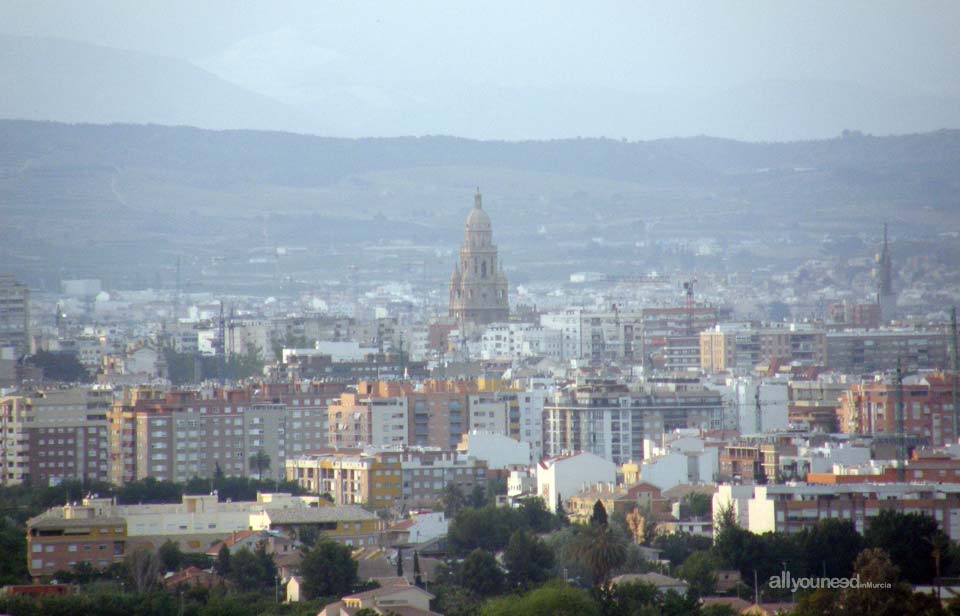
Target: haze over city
{"type": "Point", "coordinates": [479, 309]}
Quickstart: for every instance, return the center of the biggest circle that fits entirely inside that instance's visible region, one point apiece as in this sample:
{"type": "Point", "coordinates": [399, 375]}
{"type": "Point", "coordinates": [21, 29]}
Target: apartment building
{"type": "Point", "coordinates": [427, 471]}
{"type": "Point", "coordinates": [14, 316]}
{"type": "Point", "coordinates": [374, 416]}
{"type": "Point", "coordinates": [739, 347]}
{"type": "Point", "coordinates": [101, 532]}
{"type": "Point", "coordinates": [609, 420]}
{"type": "Point", "coordinates": [815, 403]}
{"type": "Point", "coordinates": [867, 351]}
{"type": "Point", "coordinates": [405, 477]}
{"type": "Point", "coordinates": [177, 435]}
{"type": "Point", "coordinates": [56, 434]}
{"type": "Point", "coordinates": [871, 408]}
{"type": "Point", "coordinates": [350, 476]}
{"type": "Point", "coordinates": [794, 507]}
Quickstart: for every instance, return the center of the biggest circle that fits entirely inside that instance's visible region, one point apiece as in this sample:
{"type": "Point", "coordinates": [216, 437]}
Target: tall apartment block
{"type": "Point", "coordinates": [14, 316]}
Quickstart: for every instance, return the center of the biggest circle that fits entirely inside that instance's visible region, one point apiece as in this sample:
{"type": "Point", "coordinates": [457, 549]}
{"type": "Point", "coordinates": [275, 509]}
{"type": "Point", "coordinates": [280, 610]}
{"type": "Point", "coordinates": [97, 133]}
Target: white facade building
{"type": "Point", "coordinates": [565, 476]}
{"type": "Point", "coordinates": [499, 451]}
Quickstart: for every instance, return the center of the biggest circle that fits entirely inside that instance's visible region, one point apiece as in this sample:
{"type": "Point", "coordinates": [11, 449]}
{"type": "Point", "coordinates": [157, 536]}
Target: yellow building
{"type": "Point", "coordinates": [350, 477]}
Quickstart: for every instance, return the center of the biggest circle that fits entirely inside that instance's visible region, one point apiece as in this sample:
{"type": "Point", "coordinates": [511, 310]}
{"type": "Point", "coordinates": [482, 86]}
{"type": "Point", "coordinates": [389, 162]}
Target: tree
{"type": "Point", "coordinates": [481, 574]}
{"type": "Point", "coordinates": [247, 571]}
{"type": "Point", "coordinates": [417, 577]}
{"type": "Point", "coordinates": [599, 516]}
{"type": "Point", "coordinates": [260, 462]}
{"type": "Point", "coordinates": [478, 496]}
{"type": "Point", "coordinates": [635, 598]}
{"type": "Point", "coordinates": [829, 548]}
{"type": "Point", "coordinates": [910, 539]}
{"type": "Point", "coordinates": [328, 570]}
{"type": "Point", "coordinates": [528, 560]}
{"type": "Point", "coordinates": [170, 555]}
{"type": "Point", "coordinates": [601, 552]}
{"type": "Point", "coordinates": [677, 547]}
{"type": "Point", "coordinates": [144, 567]}
{"type": "Point", "coordinates": [562, 518]}
{"type": "Point", "coordinates": [698, 504]}
{"type": "Point", "coordinates": [538, 517]}
{"type": "Point", "coordinates": [874, 566]}
{"type": "Point", "coordinates": [223, 561]}
{"type": "Point", "coordinates": [60, 367]}
{"type": "Point", "coordinates": [453, 500]}
{"type": "Point", "coordinates": [488, 528]}
{"type": "Point", "coordinates": [700, 571]}
{"type": "Point", "coordinates": [550, 600]}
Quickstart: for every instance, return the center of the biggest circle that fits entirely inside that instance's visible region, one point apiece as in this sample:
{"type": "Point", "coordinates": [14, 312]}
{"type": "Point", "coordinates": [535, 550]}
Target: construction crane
{"type": "Point", "coordinates": [688, 287]}
{"type": "Point", "coordinates": [955, 362]}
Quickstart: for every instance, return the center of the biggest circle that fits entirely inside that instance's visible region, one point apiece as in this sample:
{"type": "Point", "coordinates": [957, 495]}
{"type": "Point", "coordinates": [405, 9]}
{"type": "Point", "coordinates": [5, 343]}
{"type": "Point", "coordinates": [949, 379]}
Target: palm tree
{"type": "Point", "coordinates": [601, 551]}
{"type": "Point", "coordinates": [260, 462]}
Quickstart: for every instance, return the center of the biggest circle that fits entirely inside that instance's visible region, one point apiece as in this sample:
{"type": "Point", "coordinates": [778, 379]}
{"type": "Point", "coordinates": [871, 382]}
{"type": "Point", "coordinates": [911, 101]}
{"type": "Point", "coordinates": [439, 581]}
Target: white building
{"type": "Point", "coordinates": [564, 476]}
{"type": "Point", "coordinates": [522, 481]}
{"type": "Point", "coordinates": [499, 451]}
{"type": "Point", "coordinates": [533, 398]}
{"type": "Point", "coordinates": [514, 340]}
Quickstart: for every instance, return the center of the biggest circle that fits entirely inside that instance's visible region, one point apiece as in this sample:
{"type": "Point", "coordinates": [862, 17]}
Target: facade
{"type": "Point", "coordinates": [738, 348]}
{"type": "Point", "coordinates": [670, 336]}
{"type": "Point", "coordinates": [871, 408]}
{"type": "Point", "coordinates": [14, 316]}
{"type": "Point", "coordinates": [350, 477]}
{"type": "Point", "coordinates": [367, 419]}
{"type": "Point", "coordinates": [561, 477]}
{"type": "Point", "coordinates": [499, 451]}
{"type": "Point", "coordinates": [611, 421]}
{"type": "Point", "coordinates": [478, 287]}
{"type": "Point", "coordinates": [513, 340]}
{"type": "Point", "coordinates": [427, 472]}
{"type": "Point", "coordinates": [53, 435]}
{"type": "Point", "coordinates": [792, 508]}
{"type": "Point", "coordinates": [405, 478]}
{"type": "Point", "coordinates": [815, 403]}
{"type": "Point", "coordinates": [181, 434]}
{"type": "Point", "coordinates": [100, 532]}
{"type": "Point", "coordinates": [867, 351]}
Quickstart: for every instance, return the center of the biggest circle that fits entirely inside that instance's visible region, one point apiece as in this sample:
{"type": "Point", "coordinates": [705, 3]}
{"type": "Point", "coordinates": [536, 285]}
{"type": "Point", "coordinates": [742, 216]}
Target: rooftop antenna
{"type": "Point", "coordinates": [176, 295]}
{"type": "Point", "coordinates": [956, 369]}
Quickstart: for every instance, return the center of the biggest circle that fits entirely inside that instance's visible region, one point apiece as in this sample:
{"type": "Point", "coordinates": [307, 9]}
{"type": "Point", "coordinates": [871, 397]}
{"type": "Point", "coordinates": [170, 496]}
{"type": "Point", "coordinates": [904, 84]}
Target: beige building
{"type": "Point", "coordinates": [101, 532]}
{"type": "Point", "coordinates": [178, 435]}
{"type": "Point", "coordinates": [56, 434]}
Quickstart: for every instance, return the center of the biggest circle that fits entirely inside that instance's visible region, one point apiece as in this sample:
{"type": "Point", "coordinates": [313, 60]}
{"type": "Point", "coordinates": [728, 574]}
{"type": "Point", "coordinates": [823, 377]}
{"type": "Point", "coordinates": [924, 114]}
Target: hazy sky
{"type": "Point", "coordinates": [291, 50]}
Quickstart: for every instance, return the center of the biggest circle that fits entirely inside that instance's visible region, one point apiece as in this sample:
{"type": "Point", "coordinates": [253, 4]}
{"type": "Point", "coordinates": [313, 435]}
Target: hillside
{"type": "Point", "coordinates": [89, 198]}
{"type": "Point", "coordinates": [54, 79]}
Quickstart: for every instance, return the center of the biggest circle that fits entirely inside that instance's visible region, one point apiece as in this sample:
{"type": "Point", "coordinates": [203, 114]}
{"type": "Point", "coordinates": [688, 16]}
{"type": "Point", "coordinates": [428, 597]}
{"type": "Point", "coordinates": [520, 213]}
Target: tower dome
{"type": "Point", "coordinates": [478, 220]}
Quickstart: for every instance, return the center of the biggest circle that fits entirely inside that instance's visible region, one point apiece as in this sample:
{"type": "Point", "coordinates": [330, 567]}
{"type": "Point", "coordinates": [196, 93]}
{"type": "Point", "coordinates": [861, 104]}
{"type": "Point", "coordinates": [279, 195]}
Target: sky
{"type": "Point", "coordinates": [431, 56]}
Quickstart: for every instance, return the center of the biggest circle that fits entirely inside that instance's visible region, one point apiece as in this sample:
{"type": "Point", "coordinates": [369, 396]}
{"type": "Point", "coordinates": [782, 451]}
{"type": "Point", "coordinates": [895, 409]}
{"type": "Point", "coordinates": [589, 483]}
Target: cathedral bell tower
{"type": "Point", "coordinates": [478, 287]}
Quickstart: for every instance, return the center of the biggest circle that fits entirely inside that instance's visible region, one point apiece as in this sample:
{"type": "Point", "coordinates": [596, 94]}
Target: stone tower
{"type": "Point", "coordinates": [478, 288]}
{"type": "Point", "coordinates": [886, 296]}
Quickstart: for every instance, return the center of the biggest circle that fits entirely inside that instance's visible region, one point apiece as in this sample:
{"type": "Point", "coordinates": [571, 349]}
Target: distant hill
{"type": "Point", "coordinates": [53, 79]}
{"type": "Point", "coordinates": [892, 167]}
{"type": "Point", "coordinates": [119, 201]}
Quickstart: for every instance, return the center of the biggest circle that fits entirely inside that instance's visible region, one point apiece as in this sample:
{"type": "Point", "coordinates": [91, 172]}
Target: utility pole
{"type": "Point", "coordinates": [222, 348]}
{"type": "Point", "coordinates": [901, 442]}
